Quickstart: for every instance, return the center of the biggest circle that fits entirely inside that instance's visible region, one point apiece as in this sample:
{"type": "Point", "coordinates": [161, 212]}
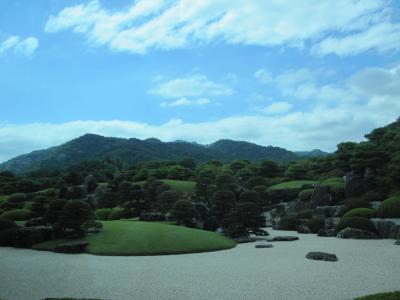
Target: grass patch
{"type": "Point", "coordinates": [294, 184]}
{"type": "Point", "coordinates": [177, 185]}
{"type": "Point", "coordinates": [381, 296]}
{"type": "Point", "coordinates": [148, 238]}
{"type": "Point", "coordinates": [3, 198]}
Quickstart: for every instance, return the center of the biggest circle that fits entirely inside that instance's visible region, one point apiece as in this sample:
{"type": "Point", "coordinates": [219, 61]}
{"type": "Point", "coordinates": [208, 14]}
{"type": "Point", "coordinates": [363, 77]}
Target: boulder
{"type": "Point", "coordinates": [283, 239]}
{"type": "Point", "coordinates": [387, 228]}
{"type": "Point", "coordinates": [358, 234]}
{"type": "Point", "coordinates": [244, 239]}
{"type": "Point", "coordinates": [321, 256]}
{"type": "Point", "coordinates": [321, 196]}
{"type": "Point", "coordinates": [303, 229]}
{"type": "Point", "coordinates": [331, 223]}
{"type": "Point", "coordinates": [355, 185]}
{"type": "Point", "coordinates": [327, 233]}
{"type": "Point", "coordinates": [71, 247]}
{"type": "Point", "coordinates": [330, 211]}
{"type": "Point", "coordinates": [397, 243]}
{"type": "Point", "coordinates": [263, 245]}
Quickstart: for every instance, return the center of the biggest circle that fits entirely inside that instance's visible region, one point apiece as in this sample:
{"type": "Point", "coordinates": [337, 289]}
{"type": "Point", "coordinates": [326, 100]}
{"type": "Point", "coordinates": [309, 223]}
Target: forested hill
{"type": "Point", "coordinates": [131, 151]}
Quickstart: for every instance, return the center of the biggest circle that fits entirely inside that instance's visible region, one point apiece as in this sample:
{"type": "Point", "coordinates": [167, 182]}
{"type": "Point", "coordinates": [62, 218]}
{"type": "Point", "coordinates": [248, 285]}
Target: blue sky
{"type": "Point", "coordinates": [271, 72]}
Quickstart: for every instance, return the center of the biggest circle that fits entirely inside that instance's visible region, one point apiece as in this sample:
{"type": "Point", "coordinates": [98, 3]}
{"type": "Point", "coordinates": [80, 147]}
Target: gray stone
{"type": "Point", "coordinates": [244, 239]}
{"type": "Point", "coordinates": [71, 247]}
{"type": "Point", "coordinates": [321, 256]}
{"type": "Point", "coordinates": [358, 234]}
{"type": "Point", "coordinates": [321, 196]}
{"type": "Point", "coordinates": [283, 239]}
{"type": "Point", "coordinates": [397, 243]}
{"type": "Point", "coordinates": [303, 229]}
{"type": "Point", "coordinates": [263, 246]}
{"type": "Point", "coordinates": [327, 233]}
{"type": "Point", "coordinates": [330, 211]}
{"type": "Point", "coordinates": [387, 228]}
{"type": "Point", "coordinates": [331, 223]}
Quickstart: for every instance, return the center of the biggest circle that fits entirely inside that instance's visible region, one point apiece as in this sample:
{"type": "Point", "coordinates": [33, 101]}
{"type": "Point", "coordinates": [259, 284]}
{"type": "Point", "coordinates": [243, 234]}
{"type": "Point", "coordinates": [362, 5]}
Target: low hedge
{"type": "Point", "coordinates": [306, 194]}
{"type": "Point", "coordinates": [16, 198]}
{"type": "Point", "coordinates": [356, 202]}
{"type": "Point", "coordinates": [305, 214]}
{"type": "Point", "coordinates": [16, 215]}
{"type": "Point", "coordinates": [356, 223]}
{"type": "Point", "coordinates": [390, 208]}
{"type": "Point", "coordinates": [288, 223]}
{"type": "Point", "coordinates": [115, 213]}
{"type": "Point", "coordinates": [102, 214]}
{"type": "Point", "coordinates": [360, 212]}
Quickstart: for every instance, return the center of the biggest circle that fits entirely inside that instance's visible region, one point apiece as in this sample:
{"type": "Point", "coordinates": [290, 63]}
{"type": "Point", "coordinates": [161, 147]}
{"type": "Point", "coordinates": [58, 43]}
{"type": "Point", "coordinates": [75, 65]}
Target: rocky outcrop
{"type": "Point", "coordinates": [331, 223]}
{"type": "Point", "coordinates": [283, 239]}
{"type": "Point", "coordinates": [303, 229]}
{"type": "Point", "coordinates": [263, 245]}
{"type": "Point", "coordinates": [321, 196]}
{"type": "Point", "coordinates": [330, 211]}
{"type": "Point", "coordinates": [71, 247]}
{"type": "Point", "coordinates": [387, 228]}
{"type": "Point", "coordinates": [358, 234]}
{"type": "Point", "coordinates": [321, 256]}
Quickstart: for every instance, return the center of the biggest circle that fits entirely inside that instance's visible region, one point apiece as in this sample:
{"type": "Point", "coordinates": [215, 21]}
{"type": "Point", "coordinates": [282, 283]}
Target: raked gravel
{"type": "Point", "coordinates": [281, 272]}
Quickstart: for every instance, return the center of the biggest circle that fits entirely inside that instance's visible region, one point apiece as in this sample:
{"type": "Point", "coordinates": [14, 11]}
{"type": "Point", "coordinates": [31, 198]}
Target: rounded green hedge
{"type": "Point", "coordinates": [16, 198]}
{"type": "Point", "coordinates": [16, 215]}
{"type": "Point", "coordinates": [360, 212]}
{"type": "Point", "coordinates": [115, 213]}
{"type": "Point", "coordinates": [103, 213]}
{"type": "Point", "coordinates": [390, 208]}
{"type": "Point", "coordinates": [305, 214]}
{"type": "Point", "coordinates": [288, 223]}
{"type": "Point", "coordinates": [356, 223]}
{"type": "Point", "coordinates": [306, 194]}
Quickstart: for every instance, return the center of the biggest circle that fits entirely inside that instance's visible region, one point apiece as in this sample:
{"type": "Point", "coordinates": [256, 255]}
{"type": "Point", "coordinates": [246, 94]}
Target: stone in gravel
{"type": "Point", "coordinates": [241, 240]}
{"type": "Point", "coordinates": [303, 229]}
{"type": "Point", "coordinates": [397, 243]}
{"type": "Point", "coordinates": [283, 239]}
{"type": "Point", "coordinates": [264, 246]}
{"type": "Point", "coordinates": [321, 256]}
{"type": "Point", "coordinates": [358, 234]}
{"type": "Point", "coordinates": [71, 247]}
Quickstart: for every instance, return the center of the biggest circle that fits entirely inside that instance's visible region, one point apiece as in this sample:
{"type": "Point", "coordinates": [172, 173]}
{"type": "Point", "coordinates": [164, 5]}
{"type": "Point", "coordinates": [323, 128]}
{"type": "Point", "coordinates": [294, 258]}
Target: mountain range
{"type": "Point", "coordinates": [132, 151]}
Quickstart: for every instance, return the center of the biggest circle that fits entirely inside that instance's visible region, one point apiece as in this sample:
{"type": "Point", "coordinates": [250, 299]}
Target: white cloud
{"type": "Point", "coordinates": [263, 76]}
{"type": "Point", "coordinates": [185, 102]}
{"type": "Point", "coordinates": [381, 37]}
{"type": "Point", "coordinates": [157, 24]}
{"type": "Point", "coordinates": [190, 90]}
{"type": "Point", "coordinates": [25, 47]}
{"type": "Point", "coordinates": [277, 108]}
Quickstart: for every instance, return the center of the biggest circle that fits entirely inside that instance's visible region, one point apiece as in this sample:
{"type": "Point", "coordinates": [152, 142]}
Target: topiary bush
{"type": "Point", "coordinates": [306, 194]}
{"type": "Point", "coordinates": [360, 212]}
{"type": "Point", "coordinates": [16, 215]}
{"type": "Point", "coordinates": [115, 213]}
{"type": "Point", "coordinates": [315, 224]}
{"type": "Point", "coordinates": [288, 223]}
{"type": "Point", "coordinates": [389, 208]}
{"type": "Point", "coordinates": [305, 214]}
{"type": "Point", "coordinates": [16, 198]}
{"type": "Point", "coordinates": [356, 223]}
{"type": "Point", "coordinates": [102, 214]}
{"type": "Point", "coordinates": [356, 202]}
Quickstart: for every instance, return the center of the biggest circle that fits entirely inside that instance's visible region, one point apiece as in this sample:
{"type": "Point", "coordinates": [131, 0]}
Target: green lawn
{"type": "Point", "coordinates": [178, 185]}
{"type": "Point", "coordinates": [148, 238]}
{"type": "Point", "coordinates": [382, 296]}
{"type": "Point", "coordinates": [295, 184]}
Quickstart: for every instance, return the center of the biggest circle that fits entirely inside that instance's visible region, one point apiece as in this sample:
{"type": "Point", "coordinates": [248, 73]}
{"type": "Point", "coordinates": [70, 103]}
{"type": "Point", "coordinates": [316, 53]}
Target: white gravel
{"type": "Point", "coordinates": [244, 272]}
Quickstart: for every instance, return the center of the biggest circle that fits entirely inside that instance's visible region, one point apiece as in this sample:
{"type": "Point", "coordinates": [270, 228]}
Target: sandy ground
{"type": "Point", "coordinates": [244, 272]}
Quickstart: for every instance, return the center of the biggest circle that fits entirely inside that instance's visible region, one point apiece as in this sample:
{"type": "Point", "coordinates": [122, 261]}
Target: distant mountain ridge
{"type": "Point", "coordinates": [132, 151]}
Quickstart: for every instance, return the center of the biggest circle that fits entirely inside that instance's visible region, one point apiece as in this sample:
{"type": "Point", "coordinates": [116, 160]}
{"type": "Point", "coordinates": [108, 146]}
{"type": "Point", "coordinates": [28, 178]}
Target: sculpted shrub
{"type": "Point", "coordinates": [390, 208]}
{"type": "Point", "coordinates": [306, 194]}
{"type": "Point", "coordinates": [102, 214]}
{"type": "Point", "coordinates": [16, 215]}
{"type": "Point", "coordinates": [360, 212]}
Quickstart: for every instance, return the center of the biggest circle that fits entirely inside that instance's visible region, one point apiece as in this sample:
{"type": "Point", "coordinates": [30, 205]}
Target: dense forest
{"type": "Point", "coordinates": [362, 179]}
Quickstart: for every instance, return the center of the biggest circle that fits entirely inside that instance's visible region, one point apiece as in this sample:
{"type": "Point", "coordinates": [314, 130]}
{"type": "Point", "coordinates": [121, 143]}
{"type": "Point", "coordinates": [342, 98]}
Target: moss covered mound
{"type": "Point", "coordinates": [294, 184]}
{"type": "Point", "coordinates": [360, 212]}
{"type": "Point", "coordinates": [390, 208]}
{"type": "Point", "coordinates": [148, 238]}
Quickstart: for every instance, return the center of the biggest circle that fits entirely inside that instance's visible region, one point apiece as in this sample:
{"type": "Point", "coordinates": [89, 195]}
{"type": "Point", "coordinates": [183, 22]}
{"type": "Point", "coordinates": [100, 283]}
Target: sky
{"type": "Point", "coordinates": [295, 74]}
